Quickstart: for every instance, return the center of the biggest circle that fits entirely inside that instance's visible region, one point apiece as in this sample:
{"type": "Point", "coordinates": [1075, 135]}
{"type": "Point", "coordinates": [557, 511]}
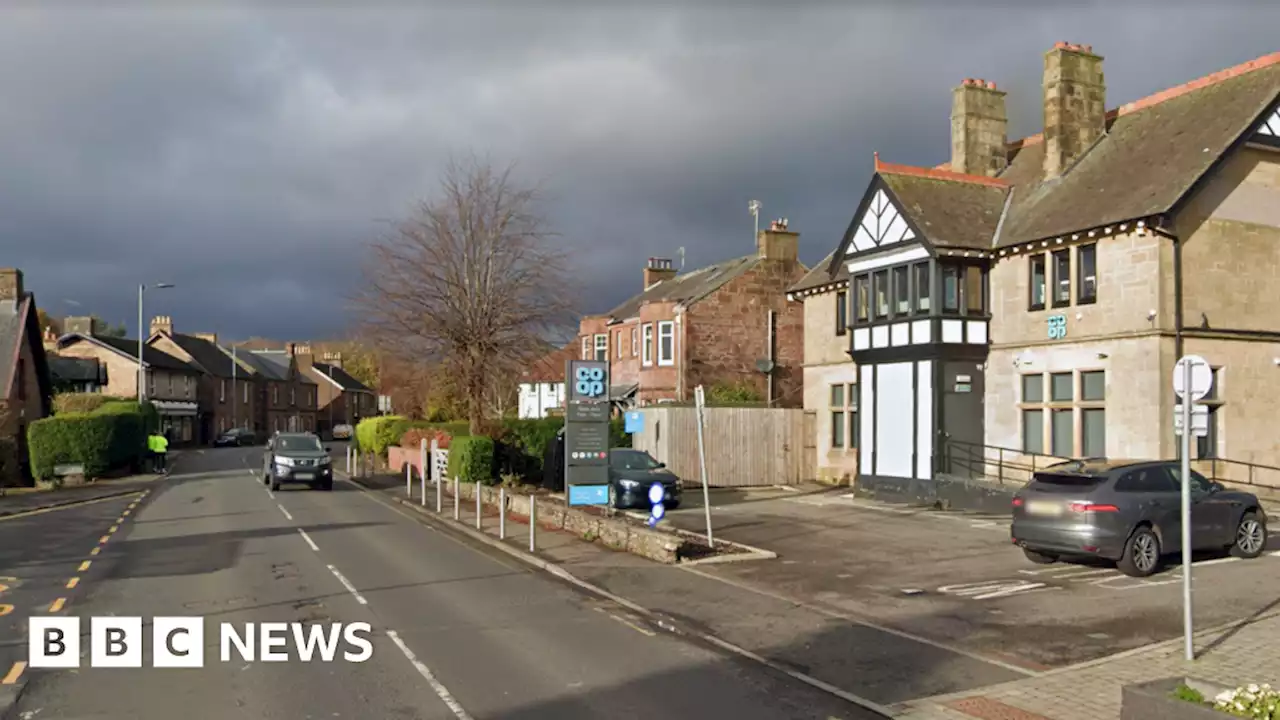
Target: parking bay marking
{"type": "Point", "coordinates": [990, 590]}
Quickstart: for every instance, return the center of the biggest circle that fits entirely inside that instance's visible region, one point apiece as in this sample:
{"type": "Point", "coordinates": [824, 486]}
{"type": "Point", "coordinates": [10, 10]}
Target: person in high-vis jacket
{"type": "Point", "coordinates": [158, 444]}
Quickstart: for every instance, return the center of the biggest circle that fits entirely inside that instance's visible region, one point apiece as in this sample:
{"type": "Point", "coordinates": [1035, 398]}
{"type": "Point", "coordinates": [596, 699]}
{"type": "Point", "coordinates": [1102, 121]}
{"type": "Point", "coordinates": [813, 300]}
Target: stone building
{"type": "Point", "coordinates": [712, 326]}
{"type": "Point", "coordinates": [1032, 297]}
{"type": "Point", "coordinates": [225, 396]}
{"type": "Point", "coordinates": [26, 390]}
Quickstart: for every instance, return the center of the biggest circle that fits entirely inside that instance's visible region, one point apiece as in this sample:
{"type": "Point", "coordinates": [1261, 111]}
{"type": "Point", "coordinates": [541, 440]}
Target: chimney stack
{"type": "Point", "coordinates": [979, 125]}
{"type": "Point", "coordinates": [162, 323]}
{"type": "Point", "coordinates": [50, 341]}
{"type": "Point", "coordinates": [1075, 105]}
{"type": "Point", "coordinates": [778, 243]}
{"type": "Point", "coordinates": [11, 290]}
{"type": "Point", "coordinates": [301, 354]}
{"type": "Point", "coordinates": [210, 337]}
{"type": "Point", "coordinates": [81, 325]}
{"type": "Point", "coordinates": [657, 270]}
{"type": "Point", "coordinates": [334, 359]}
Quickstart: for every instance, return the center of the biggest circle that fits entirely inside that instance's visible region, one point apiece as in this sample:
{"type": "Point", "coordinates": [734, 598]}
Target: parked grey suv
{"type": "Point", "coordinates": [297, 457]}
{"type": "Point", "coordinates": [1130, 512]}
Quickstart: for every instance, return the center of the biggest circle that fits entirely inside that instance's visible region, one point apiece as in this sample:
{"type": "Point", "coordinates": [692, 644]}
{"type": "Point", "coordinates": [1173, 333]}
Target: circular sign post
{"type": "Point", "coordinates": [1201, 377]}
{"type": "Point", "coordinates": [657, 493]}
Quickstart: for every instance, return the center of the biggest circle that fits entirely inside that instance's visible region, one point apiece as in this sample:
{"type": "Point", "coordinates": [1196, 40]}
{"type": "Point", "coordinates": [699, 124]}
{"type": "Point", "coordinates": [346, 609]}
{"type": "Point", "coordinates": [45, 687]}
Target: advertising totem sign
{"type": "Point", "coordinates": [586, 432]}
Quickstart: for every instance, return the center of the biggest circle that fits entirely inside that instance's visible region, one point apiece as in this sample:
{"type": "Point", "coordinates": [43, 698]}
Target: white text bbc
{"type": "Point", "coordinates": [178, 642]}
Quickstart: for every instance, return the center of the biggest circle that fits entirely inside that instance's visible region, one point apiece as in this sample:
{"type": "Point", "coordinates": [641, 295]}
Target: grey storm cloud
{"type": "Point", "coordinates": [248, 152]}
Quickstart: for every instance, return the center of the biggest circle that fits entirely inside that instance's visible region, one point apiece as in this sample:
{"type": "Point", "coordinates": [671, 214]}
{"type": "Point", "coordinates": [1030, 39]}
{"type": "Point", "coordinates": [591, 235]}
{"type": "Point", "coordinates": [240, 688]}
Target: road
{"type": "Point", "coordinates": [457, 632]}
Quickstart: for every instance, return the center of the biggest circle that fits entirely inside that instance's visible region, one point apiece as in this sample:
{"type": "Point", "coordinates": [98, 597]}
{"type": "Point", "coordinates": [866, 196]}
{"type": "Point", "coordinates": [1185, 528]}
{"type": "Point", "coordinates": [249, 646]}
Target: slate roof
{"type": "Point", "coordinates": [12, 322]}
{"type": "Point", "coordinates": [687, 288]}
{"type": "Point", "coordinates": [264, 363]}
{"type": "Point", "coordinates": [951, 212]}
{"type": "Point", "coordinates": [206, 354]}
{"type": "Point", "coordinates": [1153, 154]}
{"type": "Point", "coordinates": [340, 376]}
{"type": "Point", "coordinates": [151, 356]}
{"type": "Point", "coordinates": [74, 369]}
{"type": "Point", "coordinates": [820, 275]}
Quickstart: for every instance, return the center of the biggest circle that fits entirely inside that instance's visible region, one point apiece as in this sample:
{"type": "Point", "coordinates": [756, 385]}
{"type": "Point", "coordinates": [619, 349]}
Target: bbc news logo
{"type": "Point", "coordinates": [178, 642]}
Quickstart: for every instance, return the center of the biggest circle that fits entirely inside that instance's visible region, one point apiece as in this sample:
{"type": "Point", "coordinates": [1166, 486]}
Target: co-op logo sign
{"type": "Point", "coordinates": [178, 642]}
{"type": "Point", "coordinates": [590, 381]}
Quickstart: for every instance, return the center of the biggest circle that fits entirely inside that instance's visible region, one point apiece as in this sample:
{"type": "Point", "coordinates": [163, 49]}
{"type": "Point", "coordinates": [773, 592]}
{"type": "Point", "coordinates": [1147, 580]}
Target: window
{"type": "Point", "coordinates": [169, 382]}
{"type": "Point", "coordinates": [1147, 480]}
{"type": "Point", "coordinates": [1061, 278]}
{"type": "Point", "coordinates": [1207, 447]}
{"type": "Point", "coordinates": [244, 386]}
{"type": "Point", "coordinates": [974, 290]}
{"type": "Point", "coordinates": [222, 391]}
{"type": "Point", "coordinates": [275, 394]}
{"type": "Point", "coordinates": [617, 342]}
{"type": "Point", "coordinates": [861, 299]}
{"type": "Point", "coordinates": [186, 382]}
{"type": "Point", "coordinates": [901, 290]}
{"type": "Point", "coordinates": [842, 312]}
{"type": "Point", "coordinates": [635, 346]}
{"type": "Point", "coordinates": [1037, 282]}
{"type": "Point", "coordinates": [647, 359]}
{"type": "Point", "coordinates": [1086, 274]}
{"type": "Point", "coordinates": [666, 343]}
{"type": "Point", "coordinates": [151, 383]}
{"type": "Point", "coordinates": [950, 289]}
{"type": "Point", "coordinates": [880, 281]}
{"type": "Point", "coordinates": [602, 347]}
{"type": "Point", "coordinates": [844, 413]}
{"type": "Point", "coordinates": [1076, 413]}
{"type": "Point", "coordinates": [586, 348]}
{"type": "Point", "coordinates": [922, 288]}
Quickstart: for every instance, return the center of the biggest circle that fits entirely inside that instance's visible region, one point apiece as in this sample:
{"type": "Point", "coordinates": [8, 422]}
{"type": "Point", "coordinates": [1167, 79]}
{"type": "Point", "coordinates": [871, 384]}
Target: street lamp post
{"type": "Point", "coordinates": [142, 339]}
{"type": "Point", "coordinates": [330, 368]}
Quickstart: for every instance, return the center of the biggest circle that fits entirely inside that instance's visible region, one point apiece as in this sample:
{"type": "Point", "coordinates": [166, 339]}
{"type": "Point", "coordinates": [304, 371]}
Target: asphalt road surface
{"type": "Point", "coordinates": [456, 632]}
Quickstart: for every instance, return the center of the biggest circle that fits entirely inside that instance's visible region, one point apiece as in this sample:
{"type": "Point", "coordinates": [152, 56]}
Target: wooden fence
{"type": "Point", "coordinates": [745, 446]}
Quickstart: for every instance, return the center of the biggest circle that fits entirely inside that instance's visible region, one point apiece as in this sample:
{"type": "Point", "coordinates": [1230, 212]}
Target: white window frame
{"type": "Point", "coordinates": [222, 391]}
{"type": "Point", "coordinates": [667, 327]}
{"type": "Point", "coordinates": [586, 347]}
{"type": "Point", "coordinates": [647, 359]}
{"type": "Point", "coordinates": [617, 340]}
{"type": "Point", "coordinates": [601, 353]}
{"type": "Point", "coordinates": [293, 395]}
{"type": "Point", "coordinates": [275, 395]}
{"type": "Point", "coordinates": [244, 387]}
{"type": "Point", "coordinates": [635, 342]}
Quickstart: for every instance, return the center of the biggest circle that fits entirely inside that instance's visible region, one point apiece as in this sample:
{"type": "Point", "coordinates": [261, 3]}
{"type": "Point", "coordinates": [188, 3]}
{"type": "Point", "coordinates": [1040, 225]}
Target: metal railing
{"type": "Point", "coordinates": [1238, 472]}
{"type": "Point", "coordinates": [993, 463]}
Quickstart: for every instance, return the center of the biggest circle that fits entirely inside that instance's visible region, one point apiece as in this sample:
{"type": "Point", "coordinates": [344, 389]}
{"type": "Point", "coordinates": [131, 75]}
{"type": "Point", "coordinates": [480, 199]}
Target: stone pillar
{"type": "Point", "coordinates": [1075, 100]}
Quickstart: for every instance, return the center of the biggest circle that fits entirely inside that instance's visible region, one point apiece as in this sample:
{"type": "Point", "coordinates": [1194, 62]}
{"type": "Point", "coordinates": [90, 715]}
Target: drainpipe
{"type": "Point", "coordinates": [769, 354]}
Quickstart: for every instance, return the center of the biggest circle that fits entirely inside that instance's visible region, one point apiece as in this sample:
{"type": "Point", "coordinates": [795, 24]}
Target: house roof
{"type": "Point", "coordinates": [19, 324]}
{"type": "Point", "coordinates": [151, 356]}
{"type": "Point", "coordinates": [340, 376]}
{"type": "Point", "coordinates": [274, 364]}
{"type": "Point", "coordinates": [550, 367]}
{"type": "Point", "coordinates": [74, 369]}
{"type": "Point", "coordinates": [206, 354]}
{"type": "Point", "coordinates": [817, 279]}
{"type": "Point", "coordinates": [687, 288]}
{"type": "Point", "coordinates": [1154, 153]}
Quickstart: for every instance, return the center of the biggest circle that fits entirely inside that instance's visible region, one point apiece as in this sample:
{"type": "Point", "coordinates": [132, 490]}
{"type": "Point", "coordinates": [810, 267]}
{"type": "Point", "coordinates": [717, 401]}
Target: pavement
{"type": "Point", "coordinates": [459, 629]}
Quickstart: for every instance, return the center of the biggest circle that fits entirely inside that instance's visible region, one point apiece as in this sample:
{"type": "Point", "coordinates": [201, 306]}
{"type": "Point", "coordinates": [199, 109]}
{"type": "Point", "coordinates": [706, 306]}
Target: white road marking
{"type": "Point", "coordinates": [307, 537]}
{"type": "Point", "coordinates": [347, 584]}
{"type": "Point", "coordinates": [286, 512]}
{"type": "Point", "coordinates": [990, 590]}
{"type": "Point", "coordinates": [425, 672]}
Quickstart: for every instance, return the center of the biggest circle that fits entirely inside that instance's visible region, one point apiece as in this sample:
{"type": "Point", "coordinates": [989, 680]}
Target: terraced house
{"type": "Point", "coordinates": [225, 396]}
{"type": "Point", "coordinates": [720, 324]}
{"type": "Point", "coordinates": [287, 398]}
{"type": "Point", "coordinates": [1032, 297]}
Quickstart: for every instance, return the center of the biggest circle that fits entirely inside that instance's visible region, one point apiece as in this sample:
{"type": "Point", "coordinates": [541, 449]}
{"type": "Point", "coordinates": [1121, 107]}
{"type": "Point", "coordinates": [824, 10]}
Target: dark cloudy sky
{"type": "Point", "coordinates": [247, 154]}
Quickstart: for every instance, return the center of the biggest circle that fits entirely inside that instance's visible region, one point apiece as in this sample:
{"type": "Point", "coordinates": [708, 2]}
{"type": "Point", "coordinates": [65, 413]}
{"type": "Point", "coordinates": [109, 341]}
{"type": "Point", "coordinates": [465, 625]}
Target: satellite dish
{"type": "Point", "coordinates": [765, 365]}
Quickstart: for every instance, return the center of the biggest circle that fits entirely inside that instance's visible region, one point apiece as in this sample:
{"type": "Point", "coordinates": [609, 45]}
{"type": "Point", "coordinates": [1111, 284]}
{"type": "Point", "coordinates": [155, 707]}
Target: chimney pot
{"type": "Point", "coordinates": [657, 270]}
{"type": "Point", "coordinates": [1060, 45]}
{"type": "Point", "coordinates": [1087, 48]}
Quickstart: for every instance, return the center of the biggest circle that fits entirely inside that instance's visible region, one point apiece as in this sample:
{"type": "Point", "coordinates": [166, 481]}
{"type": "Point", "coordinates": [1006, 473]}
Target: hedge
{"type": "Point", "coordinates": [471, 459]}
{"type": "Point", "coordinates": [113, 436]}
{"type": "Point", "coordinates": [78, 402]}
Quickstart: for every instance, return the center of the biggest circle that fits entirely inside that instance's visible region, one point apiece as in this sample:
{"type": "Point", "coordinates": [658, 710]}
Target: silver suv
{"type": "Point", "coordinates": [1130, 512]}
{"type": "Point", "coordinates": [298, 458]}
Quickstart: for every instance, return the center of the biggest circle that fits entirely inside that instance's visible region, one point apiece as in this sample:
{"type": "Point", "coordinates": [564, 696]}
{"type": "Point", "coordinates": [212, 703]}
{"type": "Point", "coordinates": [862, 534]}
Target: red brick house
{"type": "Point", "coordinates": [26, 391]}
{"type": "Point", "coordinates": [717, 325]}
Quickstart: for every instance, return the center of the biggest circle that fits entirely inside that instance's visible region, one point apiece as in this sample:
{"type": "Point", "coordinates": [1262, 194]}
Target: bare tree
{"type": "Point", "coordinates": [473, 279]}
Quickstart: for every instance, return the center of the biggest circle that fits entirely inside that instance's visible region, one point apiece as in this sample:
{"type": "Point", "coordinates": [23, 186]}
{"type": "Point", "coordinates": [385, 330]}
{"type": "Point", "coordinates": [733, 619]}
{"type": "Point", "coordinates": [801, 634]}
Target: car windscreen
{"type": "Point", "coordinates": [631, 460]}
{"type": "Point", "coordinates": [297, 444]}
{"type": "Point", "coordinates": [1065, 481]}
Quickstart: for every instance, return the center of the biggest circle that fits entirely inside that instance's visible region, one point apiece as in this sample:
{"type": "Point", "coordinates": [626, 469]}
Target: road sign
{"type": "Point", "coordinates": [634, 422]}
{"type": "Point", "coordinates": [1199, 420]}
{"type": "Point", "coordinates": [588, 494]}
{"type": "Point", "coordinates": [586, 432]}
{"type": "Point", "coordinates": [1201, 376]}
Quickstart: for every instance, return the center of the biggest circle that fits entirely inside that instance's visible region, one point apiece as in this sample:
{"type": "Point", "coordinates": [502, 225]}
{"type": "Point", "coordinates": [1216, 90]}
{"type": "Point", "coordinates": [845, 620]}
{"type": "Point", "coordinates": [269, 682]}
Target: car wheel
{"type": "Point", "coordinates": [1141, 556]}
{"type": "Point", "coordinates": [1040, 558]}
{"type": "Point", "coordinates": [275, 486]}
{"type": "Point", "coordinates": [672, 504]}
{"type": "Point", "coordinates": [1251, 536]}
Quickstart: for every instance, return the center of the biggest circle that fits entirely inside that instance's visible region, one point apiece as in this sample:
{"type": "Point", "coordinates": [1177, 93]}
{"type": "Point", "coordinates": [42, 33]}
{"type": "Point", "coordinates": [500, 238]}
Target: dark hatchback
{"type": "Point", "coordinates": [235, 437]}
{"type": "Point", "coordinates": [1130, 512]}
{"type": "Point", "coordinates": [632, 473]}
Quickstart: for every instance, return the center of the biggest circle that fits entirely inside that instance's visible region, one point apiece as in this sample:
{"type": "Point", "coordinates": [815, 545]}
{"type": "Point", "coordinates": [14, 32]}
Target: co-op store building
{"type": "Point", "coordinates": [1035, 295]}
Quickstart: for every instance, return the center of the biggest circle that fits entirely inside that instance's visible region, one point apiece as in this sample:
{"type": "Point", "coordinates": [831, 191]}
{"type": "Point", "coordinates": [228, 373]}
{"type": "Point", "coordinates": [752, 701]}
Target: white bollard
{"type": "Point", "coordinates": [533, 524]}
{"type": "Point", "coordinates": [457, 499]}
{"type": "Point", "coordinates": [439, 495]}
{"type": "Point", "coordinates": [479, 508]}
{"type": "Point", "coordinates": [408, 481]}
{"type": "Point", "coordinates": [422, 470]}
{"type": "Point", "coordinates": [348, 459]}
{"type": "Point", "coordinates": [502, 513]}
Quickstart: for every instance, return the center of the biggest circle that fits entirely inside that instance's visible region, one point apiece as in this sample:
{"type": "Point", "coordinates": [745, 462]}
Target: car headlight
{"type": "Point", "coordinates": [324, 461]}
{"type": "Point", "coordinates": [287, 462]}
{"type": "Point", "coordinates": [629, 484]}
